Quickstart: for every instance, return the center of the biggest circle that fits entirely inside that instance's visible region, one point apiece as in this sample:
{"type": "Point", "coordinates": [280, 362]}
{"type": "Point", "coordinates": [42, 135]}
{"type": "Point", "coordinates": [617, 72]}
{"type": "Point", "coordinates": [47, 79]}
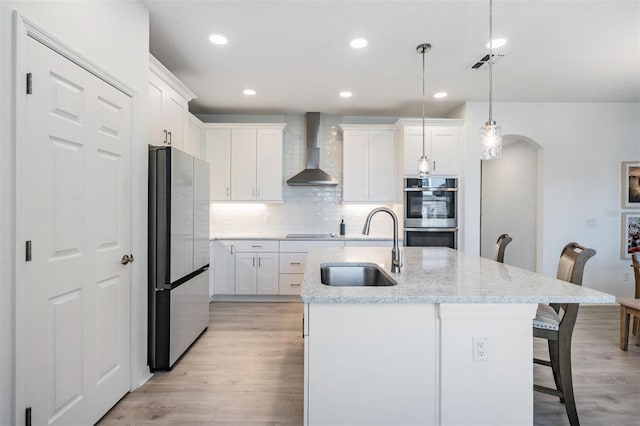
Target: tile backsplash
{"type": "Point", "coordinates": [306, 209]}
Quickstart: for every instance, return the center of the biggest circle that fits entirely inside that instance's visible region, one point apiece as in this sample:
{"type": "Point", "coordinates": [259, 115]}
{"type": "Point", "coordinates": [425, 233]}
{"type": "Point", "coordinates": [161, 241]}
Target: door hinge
{"type": "Point", "coordinates": [27, 416]}
{"type": "Point", "coordinates": [27, 256]}
{"type": "Point", "coordinates": [29, 83]}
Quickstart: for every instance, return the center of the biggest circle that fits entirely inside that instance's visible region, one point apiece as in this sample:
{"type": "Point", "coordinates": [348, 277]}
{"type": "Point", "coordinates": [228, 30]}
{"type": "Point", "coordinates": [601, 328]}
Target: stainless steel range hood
{"type": "Point", "coordinates": [312, 175]}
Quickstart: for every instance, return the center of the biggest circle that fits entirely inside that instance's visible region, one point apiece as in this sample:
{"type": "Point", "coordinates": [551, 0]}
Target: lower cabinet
{"type": "Point", "coordinates": [266, 267]}
{"type": "Point", "coordinates": [256, 273]}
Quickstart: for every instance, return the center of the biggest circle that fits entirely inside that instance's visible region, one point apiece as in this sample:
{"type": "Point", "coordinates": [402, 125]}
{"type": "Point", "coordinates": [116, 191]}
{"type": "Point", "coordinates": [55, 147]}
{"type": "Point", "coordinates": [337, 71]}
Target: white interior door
{"type": "Point", "coordinates": [76, 203]}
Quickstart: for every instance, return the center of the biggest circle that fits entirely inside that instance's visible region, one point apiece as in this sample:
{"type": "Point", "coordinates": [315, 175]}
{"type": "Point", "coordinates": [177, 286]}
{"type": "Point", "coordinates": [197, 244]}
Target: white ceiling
{"type": "Point", "coordinates": [296, 54]}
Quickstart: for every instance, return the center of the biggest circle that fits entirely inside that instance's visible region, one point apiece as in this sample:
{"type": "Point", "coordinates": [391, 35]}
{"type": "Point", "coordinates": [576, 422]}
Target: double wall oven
{"type": "Point", "coordinates": [431, 212]}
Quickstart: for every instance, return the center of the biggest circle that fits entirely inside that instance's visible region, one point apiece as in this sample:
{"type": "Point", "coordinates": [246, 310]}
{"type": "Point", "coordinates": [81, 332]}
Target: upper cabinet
{"type": "Point", "coordinates": [168, 107]}
{"type": "Point", "coordinates": [369, 164]}
{"type": "Point", "coordinates": [195, 136]}
{"type": "Point", "coordinates": [441, 145]}
{"type": "Point", "coordinates": [246, 161]}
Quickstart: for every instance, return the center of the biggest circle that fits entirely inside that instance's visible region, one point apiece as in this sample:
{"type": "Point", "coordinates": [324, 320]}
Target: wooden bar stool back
{"type": "Point", "coordinates": [555, 323]}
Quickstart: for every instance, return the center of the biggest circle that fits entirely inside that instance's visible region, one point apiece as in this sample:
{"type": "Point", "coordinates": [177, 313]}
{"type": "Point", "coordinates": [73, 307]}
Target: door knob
{"type": "Point", "coordinates": [127, 259]}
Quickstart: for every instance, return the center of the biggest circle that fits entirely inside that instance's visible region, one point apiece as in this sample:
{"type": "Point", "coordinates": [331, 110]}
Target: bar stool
{"type": "Point", "coordinates": [501, 245]}
{"type": "Point", "coordinates": [558, 330]}
{"type": "Point", "coordinates": [628, 307]}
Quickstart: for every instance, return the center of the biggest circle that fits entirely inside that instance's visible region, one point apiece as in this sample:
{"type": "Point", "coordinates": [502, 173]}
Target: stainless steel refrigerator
{"type": "Point", "coordinates": [178, 254]}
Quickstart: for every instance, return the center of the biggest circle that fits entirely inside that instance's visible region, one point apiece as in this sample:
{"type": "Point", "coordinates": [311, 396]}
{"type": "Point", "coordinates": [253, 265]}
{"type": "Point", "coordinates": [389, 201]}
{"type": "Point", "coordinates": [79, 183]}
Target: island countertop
{"type": "Point", "coordinates": [441, 275]}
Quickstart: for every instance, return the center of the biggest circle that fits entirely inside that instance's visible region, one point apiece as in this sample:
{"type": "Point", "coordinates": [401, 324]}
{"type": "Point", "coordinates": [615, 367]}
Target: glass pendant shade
{"type": "Point", "coordinates": [490, 141]}
{"type": "Point", "coordinates": [424, 166]}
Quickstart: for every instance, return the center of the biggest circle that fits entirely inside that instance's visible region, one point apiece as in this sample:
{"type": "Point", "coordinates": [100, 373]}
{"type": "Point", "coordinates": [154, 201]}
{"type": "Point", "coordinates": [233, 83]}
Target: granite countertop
{"type": "Point", "coordinates": [348, 237]}
{"type": "Point", "coordinates": [441, 275]}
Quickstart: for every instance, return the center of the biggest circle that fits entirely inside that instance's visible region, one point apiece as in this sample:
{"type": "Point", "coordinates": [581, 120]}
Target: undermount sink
{"type": "Point", "coordinates": [354, 275]}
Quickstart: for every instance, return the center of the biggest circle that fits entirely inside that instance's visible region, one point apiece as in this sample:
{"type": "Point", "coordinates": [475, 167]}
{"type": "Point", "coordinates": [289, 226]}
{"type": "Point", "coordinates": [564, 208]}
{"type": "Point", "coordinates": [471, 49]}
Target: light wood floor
{"type": "Point", "coordinates": [247, 369]}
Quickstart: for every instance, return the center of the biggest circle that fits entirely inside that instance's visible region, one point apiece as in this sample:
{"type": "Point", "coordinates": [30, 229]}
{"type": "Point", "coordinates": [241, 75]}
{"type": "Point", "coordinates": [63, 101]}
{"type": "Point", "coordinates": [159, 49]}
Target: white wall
{"type": "Point", "coordinates": [115, 36]}
{"type": "Point", "coordinates": [583, 145]}
{"type": "Point", "coordinates": [509, 202]}
{"type": "Point", "coordinates": [305, 209]}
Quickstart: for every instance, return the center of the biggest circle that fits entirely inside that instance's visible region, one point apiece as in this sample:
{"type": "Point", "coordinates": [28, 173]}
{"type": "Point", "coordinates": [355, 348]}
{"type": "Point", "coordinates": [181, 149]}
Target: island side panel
{"type": "Point", "coordinates": [499, 389]}
{"type": "Point", "coordinates": [371, 364]}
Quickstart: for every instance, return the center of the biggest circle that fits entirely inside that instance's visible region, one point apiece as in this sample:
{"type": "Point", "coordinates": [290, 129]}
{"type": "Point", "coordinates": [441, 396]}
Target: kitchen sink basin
{"type": "Point", "coordinates": [354, 275]}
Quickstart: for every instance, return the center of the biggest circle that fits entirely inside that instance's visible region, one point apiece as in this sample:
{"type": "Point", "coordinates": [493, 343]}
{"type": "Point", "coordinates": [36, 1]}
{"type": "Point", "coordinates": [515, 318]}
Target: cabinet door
{"type": "Point", "coordinates": [267, 273]}
{"type": "Point", "coordinates": [412, 147]}
{"type": "Point", "coordinates": [156, 126]}
{"type": "Point", "coordinates": [269, 165]}
{"type": "Point", "coordinates": [355, 165]}
{"type": "Point", "coordinates": [243, 164]}
{"type": "Point", "coordinates": [444, 150]}
{"type": "Point", "coordinates": [224, 267]}
{"type": "Point", "coordinates": [175, 116]}
{"type": "Point", "coordinates": [382, 167]}
{"type": "Point", "coordinates": [218, 154]}
{"type": "Point", "coordinates": [193, 142]}
{"type": "Point", "coordinates": [246, 273]}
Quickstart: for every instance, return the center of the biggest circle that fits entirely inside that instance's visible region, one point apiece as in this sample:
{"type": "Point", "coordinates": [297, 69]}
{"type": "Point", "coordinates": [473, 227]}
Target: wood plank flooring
{"type": "Point", "coordinates": [247, 369]}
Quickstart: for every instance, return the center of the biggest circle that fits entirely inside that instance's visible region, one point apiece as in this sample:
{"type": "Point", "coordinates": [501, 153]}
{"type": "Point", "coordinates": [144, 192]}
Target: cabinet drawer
{"type": "Point", "coordinates": [256, 246]}
{"type": "Point", "coordinates": [303, 246]}
{"type": "Point", "coordinates": [292, 263]}
{"type": "Point", "coordinates": [290, 283]}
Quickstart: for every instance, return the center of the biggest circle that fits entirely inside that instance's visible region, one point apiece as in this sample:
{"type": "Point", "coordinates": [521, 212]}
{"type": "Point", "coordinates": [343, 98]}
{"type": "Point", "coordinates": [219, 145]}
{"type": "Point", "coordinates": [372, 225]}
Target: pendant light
{"type": "Point", "coordinates": [490, 133]}
{"type": "Point", "coordinates": [424, 164]}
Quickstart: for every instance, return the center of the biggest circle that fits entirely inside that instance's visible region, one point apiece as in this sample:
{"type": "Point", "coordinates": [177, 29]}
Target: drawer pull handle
{"type": "Point", "coordinates": [295, 285]}
{"type": "Point", "coordinates": [295, 263]}
{"type": "Point", "coordinates": [256, 246]}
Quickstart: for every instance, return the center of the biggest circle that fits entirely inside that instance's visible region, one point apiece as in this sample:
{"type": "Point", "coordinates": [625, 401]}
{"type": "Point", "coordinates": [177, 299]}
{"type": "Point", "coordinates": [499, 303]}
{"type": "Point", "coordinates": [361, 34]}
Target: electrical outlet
{"type": "Point", "coordinates": [626, 277]}
{"type": "Point", "coordinates": [480, 349]}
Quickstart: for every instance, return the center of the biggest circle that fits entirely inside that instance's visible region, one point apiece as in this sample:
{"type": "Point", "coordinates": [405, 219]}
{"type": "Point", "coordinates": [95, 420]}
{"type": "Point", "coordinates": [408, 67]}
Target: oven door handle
{"type": "Point", "coordinates": [430, 189]}
{"type": "Point", "coordinates": [432, 229]}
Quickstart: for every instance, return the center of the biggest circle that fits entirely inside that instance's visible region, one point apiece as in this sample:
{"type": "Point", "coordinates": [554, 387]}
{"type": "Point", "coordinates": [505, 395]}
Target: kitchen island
{"type": "Point", "coordinates": [450, 344]}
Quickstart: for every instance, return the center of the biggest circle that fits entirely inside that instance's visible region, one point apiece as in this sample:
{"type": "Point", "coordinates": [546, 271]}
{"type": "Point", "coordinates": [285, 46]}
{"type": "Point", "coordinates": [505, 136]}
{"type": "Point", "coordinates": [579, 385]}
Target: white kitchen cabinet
{"type": "Point", "coordinates": [168, 107]}
{"type": "Point", "coordinates": [217, 152]}
{"type": "Point", "coordinates": [195, 136]}
{"type": "Point", "coordinates": [257, 273]}
{"type": "Point", "coordinates": [256, 267]}
{"type": "Point", "coordinates": [246, 161]}
{"type": "Point", "coordinates": [369, 163]}
{"type": "Point", "coordinates": [441, 145]}
{"type": "Point", "coordinates": [224, 267]}
{"type": "Point", "coordinates": [293, 260]}
{"type": "Point", "coordinates": [243, 164]}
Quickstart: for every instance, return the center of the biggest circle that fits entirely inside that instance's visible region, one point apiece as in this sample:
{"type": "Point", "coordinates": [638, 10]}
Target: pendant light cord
{"type": "Point", "coordinates": [490, 61]}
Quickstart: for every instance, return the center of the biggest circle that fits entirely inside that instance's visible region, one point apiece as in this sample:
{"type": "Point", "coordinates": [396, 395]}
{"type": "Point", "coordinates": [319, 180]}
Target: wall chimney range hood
{"type": "Point", "coordinates": [312, 175]}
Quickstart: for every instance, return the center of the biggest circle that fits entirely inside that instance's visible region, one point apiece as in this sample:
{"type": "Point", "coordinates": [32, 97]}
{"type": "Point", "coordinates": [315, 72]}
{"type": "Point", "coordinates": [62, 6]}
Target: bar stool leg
{"type": "Point", "coordinates": [567, 382]}
{"type": "Point", "coordinates": [624, 328]}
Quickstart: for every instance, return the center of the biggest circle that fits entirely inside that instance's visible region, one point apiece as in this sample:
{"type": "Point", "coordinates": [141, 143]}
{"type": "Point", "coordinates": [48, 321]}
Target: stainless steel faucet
{"type": "Point", "coordinates": [396, 261]}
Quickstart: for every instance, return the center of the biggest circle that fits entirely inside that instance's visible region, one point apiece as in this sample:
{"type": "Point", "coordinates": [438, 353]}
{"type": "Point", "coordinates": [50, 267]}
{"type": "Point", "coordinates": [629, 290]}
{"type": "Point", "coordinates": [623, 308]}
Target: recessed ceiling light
{"type": "Point", "coordinates": [440, 95]}
{"type": "Point", "coordinates": [249, 92]}
{"type": "Point", "coordinates": [359, 43]}
{"type": "Point", "coordinates": [499, 42]}
{"type": "Point", "coordinates": [218, 39]}
{"type": "Point", "coordinates": [346, 94]}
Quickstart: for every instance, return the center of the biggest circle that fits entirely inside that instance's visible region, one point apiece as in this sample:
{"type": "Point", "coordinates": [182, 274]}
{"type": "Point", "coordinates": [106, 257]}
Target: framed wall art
{"type": "Point", "coordinates": [630, 238]}
{"type": "Point", "coordinates": [630, 184]}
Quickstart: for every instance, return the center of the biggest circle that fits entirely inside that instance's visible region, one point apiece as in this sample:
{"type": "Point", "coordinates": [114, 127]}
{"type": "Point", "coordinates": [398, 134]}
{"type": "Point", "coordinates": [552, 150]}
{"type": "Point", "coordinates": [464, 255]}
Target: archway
{"type": "Point", "coordinates": [510, 202]}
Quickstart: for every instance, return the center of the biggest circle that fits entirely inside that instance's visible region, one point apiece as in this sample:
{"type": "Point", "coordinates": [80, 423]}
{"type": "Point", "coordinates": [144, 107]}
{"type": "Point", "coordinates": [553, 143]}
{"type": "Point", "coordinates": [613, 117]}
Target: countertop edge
{"type": "Point", "coordinates": [455, 300]}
